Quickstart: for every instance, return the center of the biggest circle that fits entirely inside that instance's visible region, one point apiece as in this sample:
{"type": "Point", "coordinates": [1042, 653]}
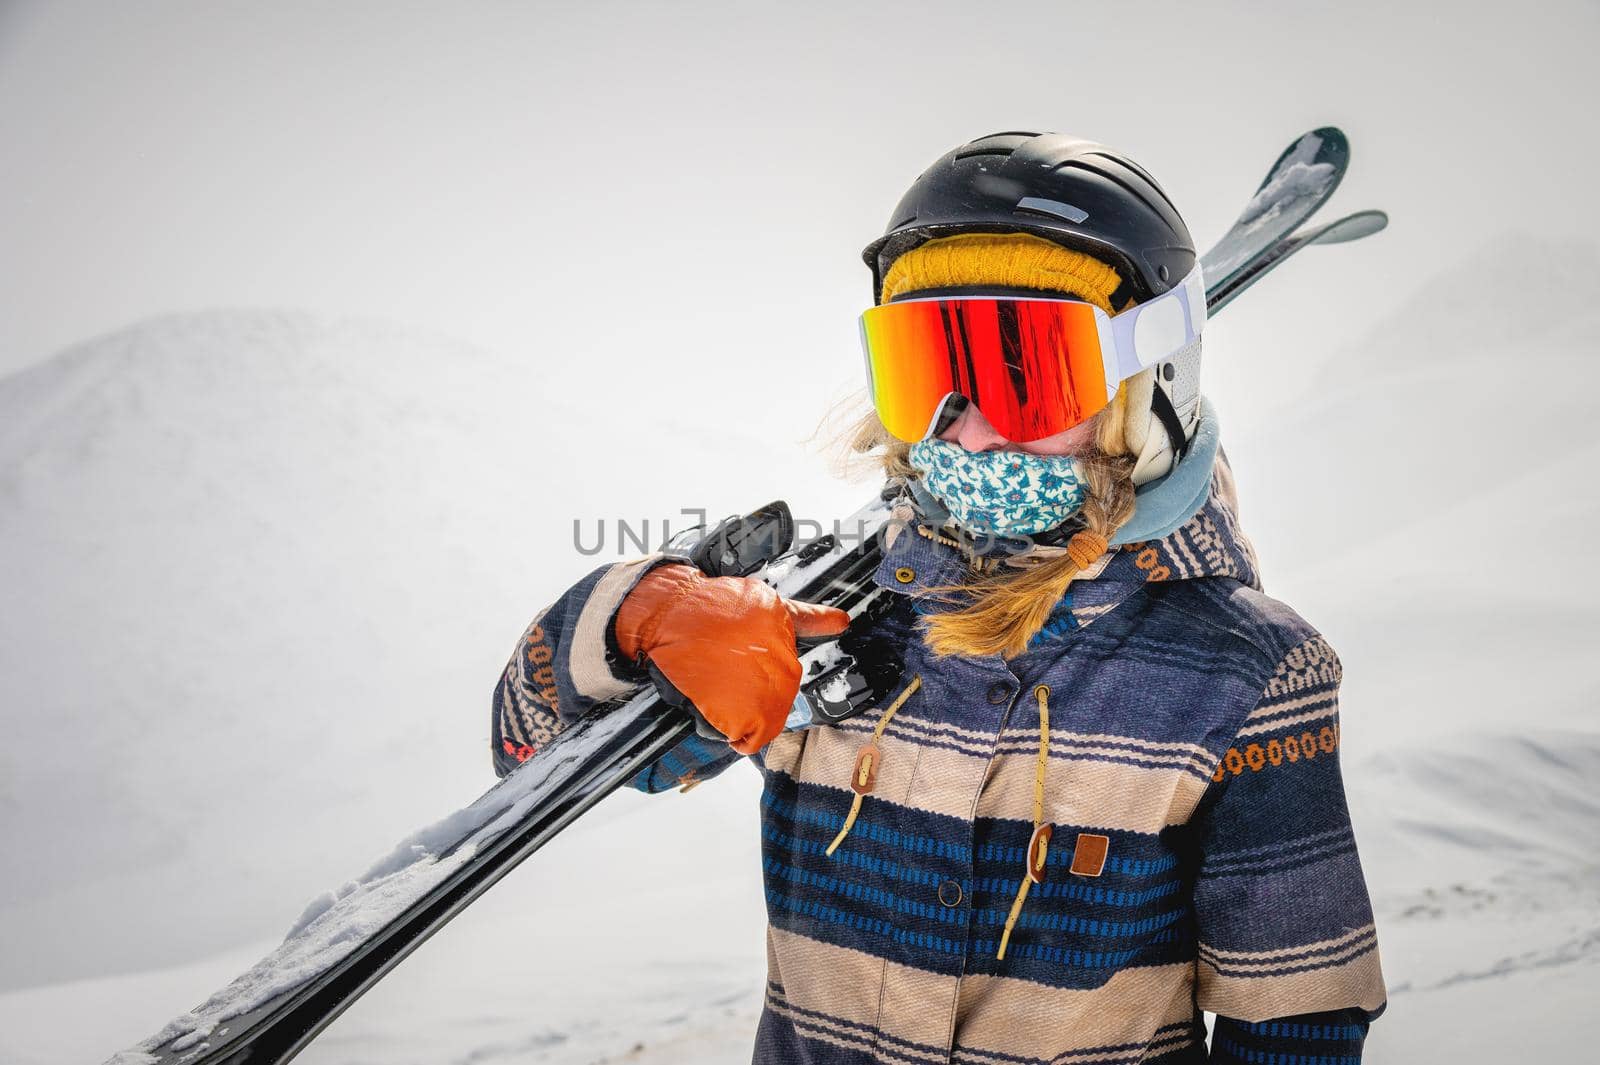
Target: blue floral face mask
{"type": "Point", "coordinates": [1006, 493]}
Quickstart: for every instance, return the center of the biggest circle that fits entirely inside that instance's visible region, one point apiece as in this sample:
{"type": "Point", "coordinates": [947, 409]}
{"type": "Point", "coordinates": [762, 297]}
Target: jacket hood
{"type": "Point", "coordinates": [1209, 543]}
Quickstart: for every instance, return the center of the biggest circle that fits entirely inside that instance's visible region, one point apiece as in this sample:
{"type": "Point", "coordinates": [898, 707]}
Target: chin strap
{"type": "Point", "coordinates": [1161, 404]}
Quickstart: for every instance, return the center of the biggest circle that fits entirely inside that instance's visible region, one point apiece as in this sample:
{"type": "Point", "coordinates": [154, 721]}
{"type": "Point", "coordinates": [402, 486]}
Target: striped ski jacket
{"type": "Point", "coordinates": [1175, 728]}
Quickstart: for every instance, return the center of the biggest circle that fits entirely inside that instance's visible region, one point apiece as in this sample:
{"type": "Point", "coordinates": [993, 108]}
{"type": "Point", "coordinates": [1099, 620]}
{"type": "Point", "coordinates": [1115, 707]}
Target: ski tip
{"type": "Point", "coordinates": [1353, 227]}
{"type": "Point", "coordinates": [1332, 146]}
{"type": "Point", "coordinates": [1325, 144]}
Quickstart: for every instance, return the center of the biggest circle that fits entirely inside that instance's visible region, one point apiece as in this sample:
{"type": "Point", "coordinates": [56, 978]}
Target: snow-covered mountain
{"type": "Point", "coordinates": [262, 570]}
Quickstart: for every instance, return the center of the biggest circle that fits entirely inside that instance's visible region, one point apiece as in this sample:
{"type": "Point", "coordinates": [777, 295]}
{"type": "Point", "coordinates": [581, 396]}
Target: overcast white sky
{"type": "Point", "coordinates": [579, 182]}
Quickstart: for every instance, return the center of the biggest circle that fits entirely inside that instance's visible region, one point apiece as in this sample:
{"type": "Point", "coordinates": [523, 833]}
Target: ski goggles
{"type": "Point", "coordinates": [1034, 367]}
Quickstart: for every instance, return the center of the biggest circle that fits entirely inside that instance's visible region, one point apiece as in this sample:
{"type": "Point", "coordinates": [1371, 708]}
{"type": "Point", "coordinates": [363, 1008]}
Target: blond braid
{"type": "Point", "coordinates": [1010, 610]}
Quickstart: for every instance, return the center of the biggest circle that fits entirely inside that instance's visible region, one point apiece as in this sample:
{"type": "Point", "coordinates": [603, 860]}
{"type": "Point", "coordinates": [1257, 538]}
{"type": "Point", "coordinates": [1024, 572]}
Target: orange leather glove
{"type": "Point", "coordinates": [727, 643]}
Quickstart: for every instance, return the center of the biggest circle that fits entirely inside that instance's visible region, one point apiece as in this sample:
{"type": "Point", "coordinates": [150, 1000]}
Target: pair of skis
{"type": "Point", "coordinates": [1267, 231]}
{"type": "Point", "coordinates": [343, 945]}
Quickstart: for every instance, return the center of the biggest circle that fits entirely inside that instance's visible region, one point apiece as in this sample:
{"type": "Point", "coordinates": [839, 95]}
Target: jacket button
{"type": "Point", "coordinates": [905, 574]}
{"type": "Point", "coordinates": [950, 893]}
{"type": "Point", "coordinates": [999, 692]}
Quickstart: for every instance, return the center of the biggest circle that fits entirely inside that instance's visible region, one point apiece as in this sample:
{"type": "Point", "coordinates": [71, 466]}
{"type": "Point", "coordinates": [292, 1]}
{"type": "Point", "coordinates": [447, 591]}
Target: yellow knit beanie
{"type": "Point", "coordinates": [1004, 260]}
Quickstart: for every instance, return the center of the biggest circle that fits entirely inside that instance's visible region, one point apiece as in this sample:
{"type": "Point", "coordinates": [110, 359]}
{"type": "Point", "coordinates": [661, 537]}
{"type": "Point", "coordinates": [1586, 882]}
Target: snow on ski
{"type": "Point", "coordinates": [346, 940]}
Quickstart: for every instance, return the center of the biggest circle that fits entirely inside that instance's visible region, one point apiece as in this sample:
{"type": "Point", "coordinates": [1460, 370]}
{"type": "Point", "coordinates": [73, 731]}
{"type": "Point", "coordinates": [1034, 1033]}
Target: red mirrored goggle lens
{"type": "Point", "coordinates": [1033, 367]}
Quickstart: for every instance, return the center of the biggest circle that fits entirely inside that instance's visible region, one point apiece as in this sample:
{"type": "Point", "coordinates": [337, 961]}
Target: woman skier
{"type": "Point", "coordinates": [1107, 795]}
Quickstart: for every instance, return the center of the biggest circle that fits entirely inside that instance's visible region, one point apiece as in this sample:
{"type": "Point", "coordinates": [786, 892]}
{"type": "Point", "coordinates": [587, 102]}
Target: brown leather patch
{"type": "Point", "coordinates": [1089, 856]}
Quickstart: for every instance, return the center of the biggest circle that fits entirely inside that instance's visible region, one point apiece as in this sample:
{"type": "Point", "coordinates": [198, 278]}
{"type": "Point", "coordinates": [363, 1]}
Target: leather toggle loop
{"type": "Point", "coordinates": [865, 775]}
{"type": "Point", "coordinates": [1038, 851]}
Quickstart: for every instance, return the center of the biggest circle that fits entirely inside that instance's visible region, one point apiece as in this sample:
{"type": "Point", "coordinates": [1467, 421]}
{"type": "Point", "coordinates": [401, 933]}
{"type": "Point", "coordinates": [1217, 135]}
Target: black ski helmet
{"type": "Point", "coordinates": [1079, 194]}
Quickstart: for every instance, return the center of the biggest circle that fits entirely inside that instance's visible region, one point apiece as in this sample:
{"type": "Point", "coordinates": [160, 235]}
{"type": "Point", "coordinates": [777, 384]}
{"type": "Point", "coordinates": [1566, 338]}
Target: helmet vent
{"type": "Point", "coordinates": [1105, 173]}
{"type": "Point", "coordinates": [1151, 186]}
{"type": "Point", "coordinates": [972, 153]}
{"type": "Point", "coordinates": [1136, 183]}
{"type": "Point", "coordinates": [995, 144]}
{"type": "Point", "coordinates": [1155, 185]}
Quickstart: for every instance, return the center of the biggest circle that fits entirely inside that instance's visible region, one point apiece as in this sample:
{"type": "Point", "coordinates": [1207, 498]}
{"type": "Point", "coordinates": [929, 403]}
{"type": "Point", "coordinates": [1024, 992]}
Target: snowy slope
{"type": "Point", "coordinates": [1443, 552]}
{"type": "Point", "coordinates": [261, 571]}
